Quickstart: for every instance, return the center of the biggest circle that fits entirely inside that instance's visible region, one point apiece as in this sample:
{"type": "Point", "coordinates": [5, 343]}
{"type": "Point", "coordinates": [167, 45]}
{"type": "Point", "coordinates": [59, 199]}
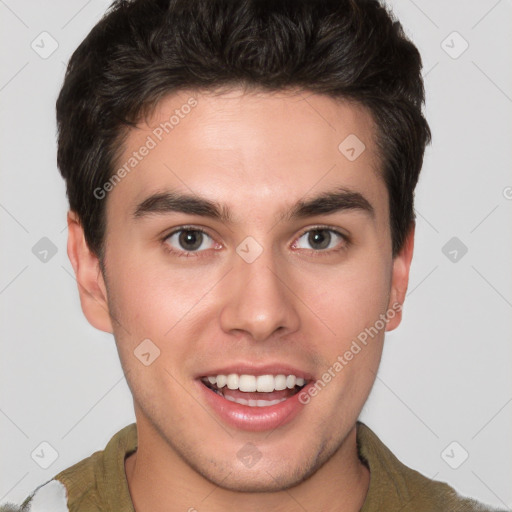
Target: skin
{"type": "Point", "coordinates": [257, 153]}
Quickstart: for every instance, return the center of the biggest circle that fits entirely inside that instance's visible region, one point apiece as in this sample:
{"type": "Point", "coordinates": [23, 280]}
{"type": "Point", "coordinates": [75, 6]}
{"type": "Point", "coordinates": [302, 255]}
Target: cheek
{"type": "Point", "coordinates": [348, 298]}
{"type": "Point", "coordinates": [151, 298]}
{"type": "Point", "coordinates": [165, 305]}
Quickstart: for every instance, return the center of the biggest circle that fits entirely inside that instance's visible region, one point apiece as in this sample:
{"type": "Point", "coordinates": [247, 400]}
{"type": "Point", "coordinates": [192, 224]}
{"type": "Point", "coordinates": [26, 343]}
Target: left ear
{"type": "Point", "coordinates": [400, 279]}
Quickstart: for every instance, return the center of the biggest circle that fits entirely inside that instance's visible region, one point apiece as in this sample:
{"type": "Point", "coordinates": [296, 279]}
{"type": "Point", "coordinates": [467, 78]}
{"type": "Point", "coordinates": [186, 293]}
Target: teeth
{"type": "Point", "coordinates": [233, 381]}
{"type": "Point", "coordinates": [265, 383]}
{"type": "Point", "coordinates": [241, 401]}
{"type": "Point", "coordinates": [254, 403]}
{"type": "Point", "coordinates": [251, 383]}
{"type": "Point", "coordinates": [280, 382]}
{"type": "Point", "coordinates": [247, 383]}
{"type": "Point", "coordinates": [290, 381]}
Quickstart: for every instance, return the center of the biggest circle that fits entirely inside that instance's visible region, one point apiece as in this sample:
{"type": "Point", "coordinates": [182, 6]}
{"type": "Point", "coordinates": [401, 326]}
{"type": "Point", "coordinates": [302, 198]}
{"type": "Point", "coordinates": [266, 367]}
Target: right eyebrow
{"type": "Point", "coordinates": [168, 202]}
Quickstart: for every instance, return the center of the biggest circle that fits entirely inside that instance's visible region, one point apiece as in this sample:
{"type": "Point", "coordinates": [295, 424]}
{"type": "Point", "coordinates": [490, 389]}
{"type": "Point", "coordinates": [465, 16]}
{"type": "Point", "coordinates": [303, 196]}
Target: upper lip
{"type": "Point", "coordinates": [256, 370]}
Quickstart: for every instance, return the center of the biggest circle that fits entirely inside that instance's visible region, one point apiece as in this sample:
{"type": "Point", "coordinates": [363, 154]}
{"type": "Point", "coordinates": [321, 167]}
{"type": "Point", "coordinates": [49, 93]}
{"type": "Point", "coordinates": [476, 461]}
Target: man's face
{"type": "Point", "coordinates": [265, 292]}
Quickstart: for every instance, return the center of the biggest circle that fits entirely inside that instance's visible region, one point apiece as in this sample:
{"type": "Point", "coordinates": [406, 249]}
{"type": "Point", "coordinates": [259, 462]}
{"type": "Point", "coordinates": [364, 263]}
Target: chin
{"type": "Point", "coordinates": [266, 476]}
{"type": "Point", "coordinates": [258, 481]}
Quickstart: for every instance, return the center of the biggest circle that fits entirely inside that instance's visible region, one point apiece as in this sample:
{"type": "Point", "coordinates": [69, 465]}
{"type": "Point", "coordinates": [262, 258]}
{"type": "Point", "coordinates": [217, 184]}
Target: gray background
{"type": "Point", "coordinates": [445, 374]}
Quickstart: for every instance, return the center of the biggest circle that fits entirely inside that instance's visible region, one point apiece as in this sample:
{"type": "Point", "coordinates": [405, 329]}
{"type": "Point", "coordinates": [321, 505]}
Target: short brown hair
{"type": "Point", "coordinates": [142, 50]}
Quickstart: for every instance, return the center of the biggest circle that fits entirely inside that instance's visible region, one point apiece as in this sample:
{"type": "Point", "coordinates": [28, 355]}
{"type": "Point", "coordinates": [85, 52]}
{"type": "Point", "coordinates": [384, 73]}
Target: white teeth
{"type": "Point", "coordinates": [254, 403]}
{"type": "Point", "coordinates": [241, 401]}
{"type": "Point", "coordinates": [265, 383]}
{"type": "Point", "coordinates": [221, 381]}
{"type": "Point", "coordinates": [247, 383]}
{"type": "Point", "coordinates": [290, 381]}
{"type": "Point", "coordinates": [233, 381]}
{"type": "Point", "coordinates": [251, 383]}
{"type": "Point", "coordinates": [280, 382]}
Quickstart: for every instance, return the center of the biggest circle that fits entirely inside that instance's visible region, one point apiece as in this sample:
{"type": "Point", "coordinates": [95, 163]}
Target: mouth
{"type": "Point", "coordinates": [255, 391]}
{"type": "Point", "coordinates": [253, 402]}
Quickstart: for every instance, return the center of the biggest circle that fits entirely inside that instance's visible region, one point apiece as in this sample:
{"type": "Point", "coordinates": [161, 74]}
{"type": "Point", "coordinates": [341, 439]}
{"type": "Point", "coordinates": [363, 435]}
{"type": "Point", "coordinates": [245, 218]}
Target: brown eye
{"type": "Point", "coordinates": [189, 240]}
{"type": "Point", "coordinates": [320, 239]}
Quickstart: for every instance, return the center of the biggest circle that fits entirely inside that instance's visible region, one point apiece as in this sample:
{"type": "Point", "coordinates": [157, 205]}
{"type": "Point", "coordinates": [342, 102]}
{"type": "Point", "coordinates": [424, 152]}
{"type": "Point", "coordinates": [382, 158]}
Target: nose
{"type": "Point", "coordinates": [259, 300]}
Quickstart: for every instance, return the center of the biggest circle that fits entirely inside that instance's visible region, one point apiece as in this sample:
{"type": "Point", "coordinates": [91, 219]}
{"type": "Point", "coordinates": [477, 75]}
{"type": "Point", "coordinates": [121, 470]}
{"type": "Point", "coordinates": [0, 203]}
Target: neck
{"type": "Point", "coordinates": [159, 480]}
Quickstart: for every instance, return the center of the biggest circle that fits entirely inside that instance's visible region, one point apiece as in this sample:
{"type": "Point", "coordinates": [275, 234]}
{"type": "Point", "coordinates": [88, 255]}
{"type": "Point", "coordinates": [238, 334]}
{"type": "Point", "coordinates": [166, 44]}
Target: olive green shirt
{"type": "Point", "coordinates": [98, 483]}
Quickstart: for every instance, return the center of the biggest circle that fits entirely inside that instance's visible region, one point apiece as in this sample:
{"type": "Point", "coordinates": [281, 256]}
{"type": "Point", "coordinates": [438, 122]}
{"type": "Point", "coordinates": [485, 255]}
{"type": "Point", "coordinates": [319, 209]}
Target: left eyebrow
{"type": "Point", "coordinates": [329, 202]}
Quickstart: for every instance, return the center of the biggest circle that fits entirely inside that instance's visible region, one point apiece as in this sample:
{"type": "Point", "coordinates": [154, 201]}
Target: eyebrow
{"type": "Point", "coordinates": [340, 199]}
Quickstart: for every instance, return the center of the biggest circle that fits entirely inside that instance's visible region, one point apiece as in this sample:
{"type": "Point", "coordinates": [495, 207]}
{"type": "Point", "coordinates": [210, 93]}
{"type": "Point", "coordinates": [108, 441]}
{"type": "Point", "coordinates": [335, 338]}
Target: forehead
{"type": "Point", "coordinates": [249, 148]}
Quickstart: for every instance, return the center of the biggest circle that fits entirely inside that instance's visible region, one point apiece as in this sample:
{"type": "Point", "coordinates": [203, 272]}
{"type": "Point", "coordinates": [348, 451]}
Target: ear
{"type": "Point", "coordinates": [400, 279]}
{"type": "Point", "coordinates": [91, 286]}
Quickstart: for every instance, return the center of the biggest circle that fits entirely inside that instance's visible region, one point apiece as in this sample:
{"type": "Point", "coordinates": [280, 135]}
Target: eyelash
{"type": "Point", "coordinates": [320, 253]}
{"type": "Point", "coordinates": [183, 254]}
{"type": "Point", "coordinates": [197, 254]}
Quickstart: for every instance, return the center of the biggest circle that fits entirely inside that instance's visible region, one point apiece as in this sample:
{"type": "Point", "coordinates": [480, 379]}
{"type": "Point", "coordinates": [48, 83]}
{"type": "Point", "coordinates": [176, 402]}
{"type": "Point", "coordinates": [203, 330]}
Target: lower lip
{"type": "Point", "coordinates": [254, 419]}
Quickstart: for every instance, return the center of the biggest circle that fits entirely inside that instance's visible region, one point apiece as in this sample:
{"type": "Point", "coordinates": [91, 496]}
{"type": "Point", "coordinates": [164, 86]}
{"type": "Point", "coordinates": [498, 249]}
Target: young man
{"type": "Point", "coordinates": [241, 177]}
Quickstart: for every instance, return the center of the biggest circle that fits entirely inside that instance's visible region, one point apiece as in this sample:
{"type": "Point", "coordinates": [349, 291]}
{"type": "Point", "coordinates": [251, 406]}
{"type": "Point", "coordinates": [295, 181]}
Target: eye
{"type": "Point", "coordinates": [322, 239]}
{"type": "Point", "coordinates": [188, 240]}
